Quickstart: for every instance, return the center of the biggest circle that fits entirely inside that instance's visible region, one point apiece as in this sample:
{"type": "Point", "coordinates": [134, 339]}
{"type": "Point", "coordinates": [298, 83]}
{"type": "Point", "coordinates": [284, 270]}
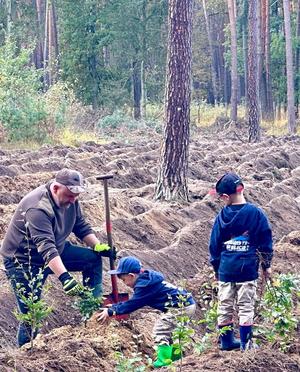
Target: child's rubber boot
{"type": "Point", "coordinates": [164, 356]}
{"type": "Point", "coordinates": [246, 338]}
{"type": "Point", "coordinates": [176, 352]}
{"type": "Point", "coordinates": [228, 341]}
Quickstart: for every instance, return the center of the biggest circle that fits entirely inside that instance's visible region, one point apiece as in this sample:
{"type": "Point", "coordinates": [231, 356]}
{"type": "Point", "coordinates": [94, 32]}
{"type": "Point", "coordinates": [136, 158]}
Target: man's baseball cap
{"type": "Point", "coordinates": [72, 179]}
{"type": "Point", "coordinates": [228, 184]}
{"type": "Point", "coordinates": [127, 265]}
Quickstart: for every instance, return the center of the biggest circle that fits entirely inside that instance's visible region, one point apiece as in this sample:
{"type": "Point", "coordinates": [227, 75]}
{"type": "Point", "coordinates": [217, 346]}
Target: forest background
{"type": "Point", "coordinates": [95, 65]}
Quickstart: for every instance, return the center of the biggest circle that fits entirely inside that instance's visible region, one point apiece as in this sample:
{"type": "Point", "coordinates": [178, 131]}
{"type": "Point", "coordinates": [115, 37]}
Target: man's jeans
{"type": "Point", "coordinates": [75, 258]}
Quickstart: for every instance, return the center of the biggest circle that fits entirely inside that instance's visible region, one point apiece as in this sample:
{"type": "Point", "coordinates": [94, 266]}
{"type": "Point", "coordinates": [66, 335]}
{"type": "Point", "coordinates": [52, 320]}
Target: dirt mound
{"type": "Point", "coordinates": [253, 361]}
{"type": "Point", "coordinates": [169, 237]}
{"type": "Point", "coordinates": [78, 349]}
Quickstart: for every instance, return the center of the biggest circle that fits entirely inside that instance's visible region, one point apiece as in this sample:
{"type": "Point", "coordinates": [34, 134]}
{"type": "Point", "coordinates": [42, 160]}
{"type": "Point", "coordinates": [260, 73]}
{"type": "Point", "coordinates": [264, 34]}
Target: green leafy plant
{"type": "Point", "coordinates": [22, 109]}
{"type": "Point", "coordinates": [209, 305]}
{"type": "Point", "coordinates": [133, 364]}
{"type": "Point", "coordinates": [183, 333]}
{"type": "Point", "coordinates": [208, 302]}
{"type": "Point", "coordinates": [278, 308]}
{"type": "Point", "coordinates": [88, 304]}
{"type": "Point", "coordinates": [136, 362]}
{"type": "Point", "coordinates": [38, 309]}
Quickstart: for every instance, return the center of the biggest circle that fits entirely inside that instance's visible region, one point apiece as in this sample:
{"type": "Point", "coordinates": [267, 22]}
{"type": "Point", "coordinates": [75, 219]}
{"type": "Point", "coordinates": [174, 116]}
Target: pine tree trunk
{"type": "Point", "coordinates": [289, 68]}
{"type": "Point", "coordinates": [253, 85]}
{"type": "Point", "coordinates": [38, 53]}
{"type": "Point", "coordinates": [211, 50]}
{"type": "Point", "coordinates": [137, 89]}
{"type": "Point", "coordinates": [172, 177]}
{"type": "Point", "coordinates": [269, 116]}
{"type": "Point", "coordinates": [8, 18]}
{"type": "Point", "coordinates": [261, 59]}
{"type": "Point", "coordinates": [144, 53]}
{"type": "Point", "coordinates": [260, 44]}
{"type": "Point", "coordinates": [245, 55]}
{"type": "Point", "coordinates": [45, 49]}
{"type": "Point", "coordinates": [297, 62]}
{"type": "Point", "coordinates": [55, 41]}
{"type": "Point", "coordinates": [50, 53]}
{"type": "Point", "coordinates": [234, 73]}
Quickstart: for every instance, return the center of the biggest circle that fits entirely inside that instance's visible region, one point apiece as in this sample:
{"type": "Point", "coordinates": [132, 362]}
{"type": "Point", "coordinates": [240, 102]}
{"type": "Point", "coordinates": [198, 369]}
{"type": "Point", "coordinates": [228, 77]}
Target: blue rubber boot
{"type": "Point", "coordinates": [228, 341]}
{"type": "Point", "coordinates": [246, 338]}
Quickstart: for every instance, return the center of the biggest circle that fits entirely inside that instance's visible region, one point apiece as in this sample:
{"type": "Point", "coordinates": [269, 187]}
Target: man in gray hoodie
{"type": "Point", "coordinates": [35, 244]}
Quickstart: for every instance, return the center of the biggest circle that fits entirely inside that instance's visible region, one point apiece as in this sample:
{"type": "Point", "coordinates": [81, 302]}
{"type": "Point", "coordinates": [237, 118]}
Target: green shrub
{"type": "Point", "coordinates": [38, 309]}
{"type": "Point", "coordinates": [120, 120]}
{"type": "Point", "coordinates": [117, 120]}
{"type": "Point", "coordinates": [88, 304]}
{"type": "Point", "coordinates": [22, 108]}
{"type": "Point", "coordinates": [278, 310]}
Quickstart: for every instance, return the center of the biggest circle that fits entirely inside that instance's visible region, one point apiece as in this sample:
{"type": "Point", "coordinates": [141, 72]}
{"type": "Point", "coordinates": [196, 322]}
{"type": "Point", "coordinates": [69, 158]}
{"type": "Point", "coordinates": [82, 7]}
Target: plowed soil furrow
{"type": "Point", "coordinates": [169, 237]}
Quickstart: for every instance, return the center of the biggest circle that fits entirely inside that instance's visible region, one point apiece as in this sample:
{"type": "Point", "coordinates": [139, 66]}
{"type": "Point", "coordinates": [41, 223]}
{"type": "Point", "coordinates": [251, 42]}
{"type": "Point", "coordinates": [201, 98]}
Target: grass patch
{"type": "Point", "coordinates": [20, 145]}
{"type": "Point", "coordinates": [74, 137]}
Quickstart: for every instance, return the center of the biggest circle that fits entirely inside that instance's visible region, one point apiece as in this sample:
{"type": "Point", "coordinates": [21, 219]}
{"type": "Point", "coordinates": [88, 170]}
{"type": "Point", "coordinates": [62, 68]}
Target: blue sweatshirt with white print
{"type": "Point", "coordinates": [152, 290]}
{"type": "Point", "coordinates": [241, 238]}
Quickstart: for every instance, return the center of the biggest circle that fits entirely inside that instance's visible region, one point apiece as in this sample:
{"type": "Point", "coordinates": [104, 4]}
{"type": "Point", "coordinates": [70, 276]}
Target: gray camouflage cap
{"type": "Point", "coordinates": [72, 179]}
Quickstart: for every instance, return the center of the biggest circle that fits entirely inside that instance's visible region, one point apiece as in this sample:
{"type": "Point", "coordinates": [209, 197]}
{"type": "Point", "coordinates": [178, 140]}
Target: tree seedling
{"type": "Point", "coordinates": [88, 304]}
{"type": "Point", "coordinates": [38, 309]}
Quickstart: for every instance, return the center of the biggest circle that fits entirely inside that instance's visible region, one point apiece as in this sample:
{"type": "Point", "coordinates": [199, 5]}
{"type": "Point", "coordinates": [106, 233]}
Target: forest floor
{"type": "Point", "coordinates": [168, 237]}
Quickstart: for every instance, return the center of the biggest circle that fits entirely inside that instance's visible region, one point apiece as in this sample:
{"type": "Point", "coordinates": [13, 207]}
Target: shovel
{"type": "Point", "coordinates": [115, 296]}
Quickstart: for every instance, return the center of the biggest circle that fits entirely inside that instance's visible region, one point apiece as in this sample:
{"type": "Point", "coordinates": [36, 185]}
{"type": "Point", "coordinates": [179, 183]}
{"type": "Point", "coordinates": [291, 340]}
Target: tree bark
{"type": "Point", "coordinates": [45, 49]}
{"type": "Point", "coordinates": [289, 68]}
{"type": "Point", "coordinates": [172, 177]}
{"type": "Point", "coordinates": [244, 25]}
{"type": "Point", "coordinates": [38, 53]}
{"type": "Point", "coordinates": [253, 84]}
{"type": "Point", "coordinates": [9, 18]}
{"type": "Point", "coordinates": [211, 50]}
{"type": "Point", "coordinates": [234, 73]}
{"type": "Point", "coordinates": [269, 114]}
{"type": "Point", "coordinates": [297, 62]}
{"type": "Point", "coordinates": [137, 89]}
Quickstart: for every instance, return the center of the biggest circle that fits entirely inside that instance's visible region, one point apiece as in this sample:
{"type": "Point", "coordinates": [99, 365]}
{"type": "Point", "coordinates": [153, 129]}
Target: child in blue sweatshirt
{"type": "Point", "coordinates": [241, 238]}
{"type": "Point", "coordinates": [150, 289]}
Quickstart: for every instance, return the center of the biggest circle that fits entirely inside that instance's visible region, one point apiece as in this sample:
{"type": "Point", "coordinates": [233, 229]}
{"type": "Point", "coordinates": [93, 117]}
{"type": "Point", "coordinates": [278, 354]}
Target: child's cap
{"type": "Point", "coordinates": [127, 265]}
{"type": "Point", "coordinates": [228, 184]}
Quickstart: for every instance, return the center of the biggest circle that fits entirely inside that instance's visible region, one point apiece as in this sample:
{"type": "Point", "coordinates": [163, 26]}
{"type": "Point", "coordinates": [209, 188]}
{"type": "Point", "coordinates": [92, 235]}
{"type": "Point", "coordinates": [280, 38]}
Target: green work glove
{"type": "Point", "coordinates": [70, 285]}
{"type": "Point", "coordinates": [101, 247]}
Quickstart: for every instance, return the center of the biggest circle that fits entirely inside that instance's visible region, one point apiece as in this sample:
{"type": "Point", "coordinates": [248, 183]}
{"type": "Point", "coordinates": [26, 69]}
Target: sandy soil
{"type": "Point", "coordinates": [169, 237]}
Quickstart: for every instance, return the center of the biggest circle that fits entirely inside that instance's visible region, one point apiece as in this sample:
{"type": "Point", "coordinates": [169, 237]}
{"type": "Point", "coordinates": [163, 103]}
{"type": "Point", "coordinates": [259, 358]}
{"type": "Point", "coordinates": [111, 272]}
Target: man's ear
{"type": "Point", "coordinates": [55, 188]}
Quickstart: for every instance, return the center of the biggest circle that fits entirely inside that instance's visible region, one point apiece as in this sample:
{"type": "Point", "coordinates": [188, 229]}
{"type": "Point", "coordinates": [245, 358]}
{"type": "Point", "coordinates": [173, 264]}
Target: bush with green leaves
{"type": "Point", "coordinates": [38, 309]}
{"type": "Point", "coordinates": [117, 120]}
{"type": "Point", "coordinates": [278, 311]}
{"type": "Point", "coordinates": [88, 304]}
{"type": "Point", "coordinates": [182, 335]}
{"type": "Point", "coordinates": [22, 108]}
{"type": "Point", "coordinates": [132, 364]}
{"type": "Point", "coordinates": [120, 120]}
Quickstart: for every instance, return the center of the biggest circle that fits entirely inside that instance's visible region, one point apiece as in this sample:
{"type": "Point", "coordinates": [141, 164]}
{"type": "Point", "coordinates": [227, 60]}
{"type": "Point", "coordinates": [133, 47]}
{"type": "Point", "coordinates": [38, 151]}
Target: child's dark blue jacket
{"type": "Point", "coordinates": [240, 238]}
{"type": "Point", "coordinates": [152, 290]}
